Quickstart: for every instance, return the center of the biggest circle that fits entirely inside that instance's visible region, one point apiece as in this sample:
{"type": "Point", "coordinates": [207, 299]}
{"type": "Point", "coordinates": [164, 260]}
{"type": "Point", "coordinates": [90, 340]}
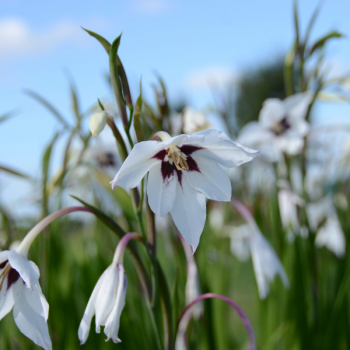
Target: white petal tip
{"type": "Point", "coordinates": [112, 185]}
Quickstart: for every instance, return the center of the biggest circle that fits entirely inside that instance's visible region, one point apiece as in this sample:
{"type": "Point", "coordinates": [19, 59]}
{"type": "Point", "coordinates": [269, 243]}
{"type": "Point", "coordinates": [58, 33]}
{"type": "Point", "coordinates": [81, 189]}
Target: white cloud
{"type": "Point", "coordinates": [216, 76]}
{"type": "Point", "coordinates": [150, 6]}
{"type": "Point", "coordinates": [18, 39]}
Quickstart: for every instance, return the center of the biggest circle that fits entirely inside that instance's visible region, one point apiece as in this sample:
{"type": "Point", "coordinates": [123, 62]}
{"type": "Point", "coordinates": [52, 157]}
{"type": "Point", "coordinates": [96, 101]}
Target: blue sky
{"type": "Point", "coordinates": [187, 42]}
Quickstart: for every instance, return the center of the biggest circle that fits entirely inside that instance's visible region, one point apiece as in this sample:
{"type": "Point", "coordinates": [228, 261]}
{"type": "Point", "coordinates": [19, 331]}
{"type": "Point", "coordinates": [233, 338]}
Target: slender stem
{"type": "Point", "coordinates": [241, 313]}
{"type": "Point", "coordinates": [34, 232]}
{"type": "Point", "coordinates": [119, 252]}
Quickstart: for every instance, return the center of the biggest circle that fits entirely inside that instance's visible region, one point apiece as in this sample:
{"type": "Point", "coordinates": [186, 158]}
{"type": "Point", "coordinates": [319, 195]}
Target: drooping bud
{"type": "Point", "coordinates": [97, 122]}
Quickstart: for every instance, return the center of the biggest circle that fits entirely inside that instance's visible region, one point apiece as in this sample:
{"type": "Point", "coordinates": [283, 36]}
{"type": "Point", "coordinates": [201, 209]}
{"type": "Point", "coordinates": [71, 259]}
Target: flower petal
{"type": "Point", "coordinates": [30, 323]}
{"type": "Point", "coordinates": [266, 263]}
{"type": "Point", "coordinates": [161, 190]}
{"type": "Point", "coordinates": [3, 258]}
{"type": "Point", "coordinates": [106, 297]}
{"type": "Point", "coordinates": [137, 164]}
{"type": "Point", "coordinates": [218, 146]}
{"type": "Point", "coordinates": [189, 212]}
{"type": "Point", "coordinates": [28, 271]}
{"type": "Point", "coordinates": [296, 106]}
{"type": "Point", "coordinates": [38, 302]}
{"type": "Point", "coordinates": [6, 299]}
{"type": "Point", "coordinates": [212, 180]}
{"type": "Point", "coordinates": [113, 321]}
{"type": "Point", "coordinates": [273, 112]}
{"type": "Point", "coordinates": [331, 235]}
{"type": "Point", "coordinates": [84, 327]}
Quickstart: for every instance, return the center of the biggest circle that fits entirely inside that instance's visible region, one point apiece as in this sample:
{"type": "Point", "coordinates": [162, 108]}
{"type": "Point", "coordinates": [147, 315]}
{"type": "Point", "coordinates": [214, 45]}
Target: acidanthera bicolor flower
{"type": "Point", "coordinates": [265, 261]}
{"type": "Point", "coordinates": [281, 126]}
{"type": "Point", "coordinates": [108, 297]}
{"type": "Point", "coordinates": [323, 218]}
{"type": "Point", "coordinates": [194, 121]}
{"type": "Point", "coordinates": [183, 171]}
{"type": "Point", "coordinates": [20, 289]}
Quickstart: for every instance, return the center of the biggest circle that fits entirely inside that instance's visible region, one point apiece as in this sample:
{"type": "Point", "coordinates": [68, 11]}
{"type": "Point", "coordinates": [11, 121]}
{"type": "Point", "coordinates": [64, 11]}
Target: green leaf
{"type": "Point", "coordinates": [105, 43]}
{"type": "Point", "coordinates": [100, 104]}
{"type": "Point", "coordinates": [319, 44]}
{"type": "Point", "coordinates": [296, 23]}
{"type": "Point", "coordinates": [137, 117]}
{"type": "Point", "coordinates": [311, 23]}
{"type": "Point", "coordinates": [47, 105]}
{"type": "Point", "coordinates": [6, 116]}
{"type": "Point", "coordinates": [108, 221]}
{"type": "Point", "coordinates": [115, 81]}
{"type": "Point", "coordinates": [45, 173]}
{"type": "Point", "coordinates": [15, 172]}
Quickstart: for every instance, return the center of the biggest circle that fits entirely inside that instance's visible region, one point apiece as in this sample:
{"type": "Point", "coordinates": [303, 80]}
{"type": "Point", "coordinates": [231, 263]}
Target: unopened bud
{"type": "Point", "coordinates": [97, 122]}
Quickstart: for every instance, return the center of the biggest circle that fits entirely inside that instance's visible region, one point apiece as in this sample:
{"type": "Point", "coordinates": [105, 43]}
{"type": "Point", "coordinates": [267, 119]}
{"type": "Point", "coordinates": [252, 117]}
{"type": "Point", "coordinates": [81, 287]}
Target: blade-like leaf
{"type": "Point", "coordinates": [137, 117]}
{"type": "Point", "coordinates": [312, 22]}
{"type": "Point", "coordinates": [319, 43]}
{"type": "Point", "coordinates": [108, 221]}
{"type": "Point", "coordinates": [115, 80]}
{"type": "Point", "coordinates": [15, 172]}
{"type": "Point", "coordinates": [47, 105]}
{"type": "Point", "coordinates": [106, 45]}
{"type": "Point", "coordinates": [6, 116]}
{"type": "Point", "coordinates": [296, 23]}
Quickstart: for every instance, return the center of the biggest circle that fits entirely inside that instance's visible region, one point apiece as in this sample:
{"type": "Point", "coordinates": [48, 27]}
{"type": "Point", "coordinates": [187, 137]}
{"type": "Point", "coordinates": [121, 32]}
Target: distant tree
{"type": "Point", "coordinates": [254, 88]}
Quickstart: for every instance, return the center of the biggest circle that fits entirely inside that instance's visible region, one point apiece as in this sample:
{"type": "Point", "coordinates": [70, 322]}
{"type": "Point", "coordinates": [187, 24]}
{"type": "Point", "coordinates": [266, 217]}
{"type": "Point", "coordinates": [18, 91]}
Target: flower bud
{"type": "Point", "coordinates": [97, 122]}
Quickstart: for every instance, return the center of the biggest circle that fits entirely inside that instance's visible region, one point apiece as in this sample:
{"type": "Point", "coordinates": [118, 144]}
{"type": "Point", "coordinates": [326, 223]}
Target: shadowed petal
{"type": "Point", "coordinates": [189, 212]}
{"type": "Point", "coordinates": [106, 297]}
{"type": "Point", "coordinates": [113, 321]}
{"type": "Point", "coordinates": [89, 312]}
{"type": "Point", "coordinates": [266, 264]}
{"type": "Point", "coordinates": [28, 271]}
{"type": "Point", "coordinates": [212, 180]}
{"type": "Point", "coordinates": [161, 188]}
{"type": "Point", "coordinates": [137, 164]}
{"type": "Point", "coordinates": [30, 323]}
{"type": "Point", "coordinates": [38, 302]}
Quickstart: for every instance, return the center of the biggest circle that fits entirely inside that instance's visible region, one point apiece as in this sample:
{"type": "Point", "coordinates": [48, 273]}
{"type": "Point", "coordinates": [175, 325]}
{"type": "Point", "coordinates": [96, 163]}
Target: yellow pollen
{"type": "Point", "coordinates": [4, 274]}
{"type": "Point", "coordinates": [178, 158]}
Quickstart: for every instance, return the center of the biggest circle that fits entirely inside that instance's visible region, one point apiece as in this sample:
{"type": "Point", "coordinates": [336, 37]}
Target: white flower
{"type": "Point", "coordinates": [106, 303]}
{"type": "Point", "coordinates": [20, 290]}
{"type": "Point", "coordinates": [265, 261]}
{"type": "Point", "coordinates": [281, 127]}
{"type": "Point", "coordinates": [183, 170]}
{"type": "Point", "coordinates": [194, 121]}
{"type": "Point", "coordinates": [288, 202]}
{"type": "Point", "coordinates": [330, 234]}
{"type": "Point", "coordinates": [97, 123]}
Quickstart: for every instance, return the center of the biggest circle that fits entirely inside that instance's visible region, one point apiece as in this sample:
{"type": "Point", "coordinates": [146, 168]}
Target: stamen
{"type": "Point", "coordinates": [4, 274]}
{"type": "Point", "coordinates": [178, 158]}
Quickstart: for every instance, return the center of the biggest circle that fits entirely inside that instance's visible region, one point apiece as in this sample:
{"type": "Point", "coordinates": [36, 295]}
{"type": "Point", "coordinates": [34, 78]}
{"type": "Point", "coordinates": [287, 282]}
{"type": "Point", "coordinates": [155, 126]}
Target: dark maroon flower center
{"type": "Point", "coordinates": [168, 168]}
{"type": "Point", "coordinates": [8, 272]}
{"type": "Point", "coordinates": [281, 127]}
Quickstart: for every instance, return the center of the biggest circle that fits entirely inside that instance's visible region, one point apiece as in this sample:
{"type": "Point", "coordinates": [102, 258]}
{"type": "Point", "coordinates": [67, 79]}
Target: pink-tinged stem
{"type": "Point", "coordinates": [119, 252]}
{"type": "Point", "coordinates": [246, 214]}
{"type": "Point", "coordinates": [33, 233]}
{"type": "Point", "coordinates": [242, 315]}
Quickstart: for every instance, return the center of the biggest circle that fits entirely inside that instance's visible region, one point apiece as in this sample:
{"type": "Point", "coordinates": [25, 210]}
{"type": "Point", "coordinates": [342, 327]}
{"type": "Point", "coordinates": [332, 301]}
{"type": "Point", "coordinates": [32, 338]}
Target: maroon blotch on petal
{"type": "Point", "coordinates": [3, 264]}
{"type": "Point", "coordinates": [160, 155]}
{"type": "Point", "coordinates": [167, 170]}
{"type": "Point", "coordinates": [179, 175]}
{"type": "Point", "coordinates": [12, 277]}
{"type": "Point", "coordinates": [189, 149]}
{"type": "Point", "coordinates": [192, 164]}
